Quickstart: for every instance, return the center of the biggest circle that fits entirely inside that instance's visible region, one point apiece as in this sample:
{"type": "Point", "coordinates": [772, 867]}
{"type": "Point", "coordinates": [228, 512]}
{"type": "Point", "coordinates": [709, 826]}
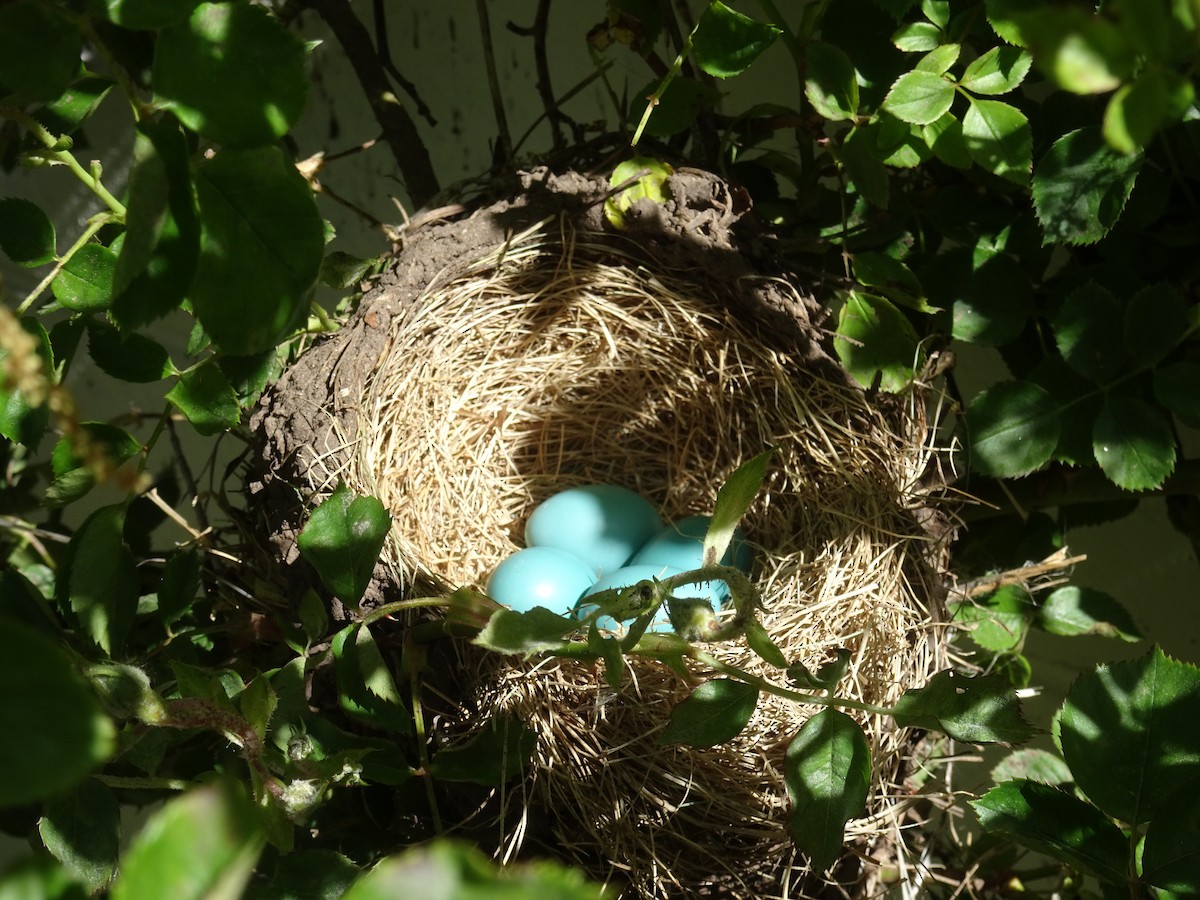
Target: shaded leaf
{"type": "Point", "coordinates": [677, 106]}
{"type": "Point", "coordinates": [1155, 322]}
{"type": "Point", "coordinates": [733, 499]}
{"type": "Point", "coordinates": [1080, 187]}
{"type": "Point", "coordinates": [98, 580]}
{"type": "Point", "coordinates": [497, 753]}
{"type": "Point", "coordinates": [873, 337]}
{"type": "Point", "coordinates": [132, 357]}
{"type": "Point", "coordinates": [1088, 332]}
{"type": "Point", "coordinates": [945, 138]}
{"type": "Point", "coordinates": [179, 586]}
{"type": "Point", "coordinates": [1012, 428]}
{"type": "Point", "coordinates": [1171, 856]}
{"type": "Point", "coordinates": [85, 283]}
{"type": "Point", "coordinates": [1133, 443]}
{"type": "Point", "coordinates": [1128, 732]}
{"type": "Point", "coordinates": [919, 97]}
{"type": "Point", "coordinates": [26, 233]}
{"type": "Point", "coordinates": [1034, 765]}
{"type": "Point", "coordinates": [1050, 820]}
{"type": "Point", "coordinates": [344, 271]}
{"type": "Point", "coordinates": [981, 710]}
{"type": "Point", "coordinates": [828, 775]}
{"type": "Point", "coordinates": [260, 252]}
{"type": "Point", "coordinates": [148, 13]}
{"type": "Point", "coordinates": [999, 139]}
{"type": "Point", "coordinates": [1138, 111]}
{"type": "Point", "coordinates": [366, 689]}
{"type": "Point", "coordinates": [232, 73]}
{"type": "Point", "coordinates": [205, 396]}
{"type": "Point", "coordinates": [994, 302]}
{"type": "Point", "coordinates": [343, 539]}
{"type": "Point", "coordinates": [1071, 611]}
{"type": "Point", "coordinates": [758, 640]}
{"type": "Point", "coordinates": [200, 846]}
{"type": "Point", "coordinates": [63, 732]}
{"type": "Point", "coordinates": [997, 71]}
{"type": "Point", "coordinates": [309, 875]}
{"type": "Point", "coordinates": [81, 828]}
{"type": "Point", "coordinates": [726, 42]}
{"type": "Point", "coordinates": [40, 48]}
{"type": "Point", "coordinates": [864, 169]}
{"type": "Point", "coordinates": [72, 477]}
{"type": "Point", "coordinates": [1177, 387]}
{"type": "Point", "coordinates": [70, 110]}
{"type": "Point", "coordinates": [830, 85]}
{"type": "Point", "coordinates": [997, 622]}
{"type": "Point", "coordinates": [714, 713]}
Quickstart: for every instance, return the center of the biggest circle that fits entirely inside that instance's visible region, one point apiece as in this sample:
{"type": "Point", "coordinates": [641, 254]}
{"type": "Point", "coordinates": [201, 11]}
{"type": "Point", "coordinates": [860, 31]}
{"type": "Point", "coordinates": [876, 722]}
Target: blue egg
{"type": "Point", "coordinates": [602, 524]}
{"type": "Point", "coordinates": [714, 592]}
{"type": "Point", "coordinates": [540, 576]}
{"type": "Point", "coordinates": [681, 544]}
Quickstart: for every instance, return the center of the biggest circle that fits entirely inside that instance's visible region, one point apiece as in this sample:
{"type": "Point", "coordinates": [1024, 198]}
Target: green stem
{"type": "Point", "coordinates": [388, 609]}
{"type": "Point", "coordinates": [418, 712]}
{"type": "Point", "coordinates": [150, 784]}
{"type": "Point", "coordinates": [662, 88]}
{"type": "Point", "coordinates": [705, 658]}
{"type": "Point", "coordinates": [90, 179]}
{"type": "Point", "coordinates": [95, 223]}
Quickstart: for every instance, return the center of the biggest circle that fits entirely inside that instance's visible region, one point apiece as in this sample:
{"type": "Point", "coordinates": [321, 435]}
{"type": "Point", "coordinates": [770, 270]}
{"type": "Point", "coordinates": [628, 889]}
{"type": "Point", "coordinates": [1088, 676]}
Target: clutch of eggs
{"type": "Point", "coordinates": [598, 537]}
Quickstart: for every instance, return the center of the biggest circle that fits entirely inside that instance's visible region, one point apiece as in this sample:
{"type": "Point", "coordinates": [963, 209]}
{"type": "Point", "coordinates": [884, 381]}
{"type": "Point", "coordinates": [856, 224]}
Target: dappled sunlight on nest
{"type": "Point", "coordinates": [528, 359]}
{"type": "Point", "coordinates": [551, 362]}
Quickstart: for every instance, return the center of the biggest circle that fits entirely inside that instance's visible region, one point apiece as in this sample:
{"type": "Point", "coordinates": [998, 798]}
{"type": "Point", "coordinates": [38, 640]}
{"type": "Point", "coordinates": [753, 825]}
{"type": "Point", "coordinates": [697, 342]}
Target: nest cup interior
{"type": "Point", "coordinates": [561, 358]}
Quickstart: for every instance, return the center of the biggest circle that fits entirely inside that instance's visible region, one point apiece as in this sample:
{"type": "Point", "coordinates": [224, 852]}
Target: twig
{"type": "Point", "coordinates": [186, 471]}
{"type": "Point", "coordinates": [503, 138]}
{"type": "Point", "coordinates": [385, 59]}
{"type": "Point", "coordinates": [399, 130]}
{"type": "Point", "coordinates": [545, 91]}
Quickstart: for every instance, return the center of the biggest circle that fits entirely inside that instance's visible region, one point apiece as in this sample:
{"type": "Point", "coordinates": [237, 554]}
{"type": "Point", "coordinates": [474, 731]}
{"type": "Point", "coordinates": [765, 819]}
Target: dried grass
{"type": "Point", "coordinates": [554, 361]}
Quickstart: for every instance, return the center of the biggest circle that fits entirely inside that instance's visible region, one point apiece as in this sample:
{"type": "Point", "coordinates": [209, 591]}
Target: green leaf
{"type": "Point", "coordinates": [309, 875]}
{"type": "Point", "coordinates": [678, 105]}
{"type": "Point", "coordinates": [864, 169]}
{"type": "Point", "coordinates": [179, 586]}
{"type": "Point", "coordinates": [828, 774]}
{"type": "Point", "coordinates": [69, 111]}
{"type": "Point", "coordinates": [1155, 321]}
{"type": "Point", "coordinates": [147, 14]}
{"type": "Point", "coordinates": [919, 97]}
{"type": "Point", "coordinates": [343, 539]}
{"type": "Point", "coordinates": [1013, 429]}
{"type": "Point", "coordinates": [496, 754]}
{"type": "Point", "coordinates": [261, 249]}
{"type": "Point", "coordinates": [1050, 820]}
{"type": "Point", "coordinates": [873, 336]}
{"type": "Point", "coordinates": [81, 828]}
{"type": "Point", "coordinates": [26, 233]}
{"type": "Point", "coordinates": [1071, 611]}
{"type": "Point", "coordinates": [344, 271]}
{"type": "Point", "coordinates": [201, 846]}
{"type": "Point", "coordinates": [1083, 52]}
{"type": "Point", "coordinates": [132, 357]}
{"type": "Point", "coordinates": [85, 283]}
{"type": "Point", "coordinates": [1177, 387]}
{"type": "Point", "coordinates": [98, 580]}
{"type": "Point", "coordinates": [945, 138]}
{"type": "Point", "coordinates": [726, 42]}
{"type": "Point", "coordinates": [650, 185]}
{"type": "Point", "coordinates": [72, 477]}
{"type": "Point", "coordinates": [758, 640]}
{"type": "Point", "coordinates": [1128, 732]}
{"type": "Point", "coordinates": [999, 139]}
{"type": "Point", "coordinates": [997, 71]}
{"type": "Point", "coordinates": [939, 60]}
{"type": "Point", "coordinates": [917, 37]}
{"type": "Point", "coordinates": [937, 12]}
{"type": "Point", "coordinates": [980, 710]}
{"type": "Point", "coordinates": [892, 278]}
{"type": "Point", "coordinates": [714, 713]}
{"type": "Point", "coordinates": [205, 396]}
{"type": "Point", "coordinates": [998, 622]}
{"type": "Point", "coordinates": [445, 870]}
{"type": "Point", "coordinates": [366, 689]}
{"type": "Point", "coordinates": [1080, 187]}
{"type": "Point", "coordinates": [827, 675]}
{"type": "Point", "coordinates": [63, 733]}
{"type": "Point", "coordinates": [1133, 443]}
{"type": "Point", "coordinates": [994, 302]}
{"type": "Point", "coordinates": [39, 878]}
{"type": "Point", "coordinates": [1138, 111]}
{"type": "Point", "coordinates": [257, 703]}
{"type": "Point", "coordinates": [232, 73]}
{"type": "Point", "coordinates": [1088, 332]}
{"type": "Point", "coordinates": [733, 499]}
{"type": "Point", "coordinates": [1004, 15]}
{"type": "Point", "coordinates": [20, 421]}
{"type": "Point", "coordinates": [162, 229]}
{"type": "Point", "coordinates": [525, 633]}
{"type": "Point", "coordinates": [1035, 765]}
{"type": "Point", "coordinates": [830, 84]}
{"type": "Point", "coordinates": [1171, 856]}
{"type": "Point", "coordinates": [39, 50]}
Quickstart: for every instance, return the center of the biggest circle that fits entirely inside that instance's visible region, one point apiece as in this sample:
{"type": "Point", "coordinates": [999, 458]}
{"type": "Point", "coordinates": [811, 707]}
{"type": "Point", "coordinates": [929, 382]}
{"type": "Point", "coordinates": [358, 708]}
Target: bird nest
{"type": "Point", "coordinates": [530, 347]}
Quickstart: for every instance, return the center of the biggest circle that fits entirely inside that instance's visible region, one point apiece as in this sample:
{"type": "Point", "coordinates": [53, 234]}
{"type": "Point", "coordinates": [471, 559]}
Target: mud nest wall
{"type": "Point", "coordinates": [530, 347]}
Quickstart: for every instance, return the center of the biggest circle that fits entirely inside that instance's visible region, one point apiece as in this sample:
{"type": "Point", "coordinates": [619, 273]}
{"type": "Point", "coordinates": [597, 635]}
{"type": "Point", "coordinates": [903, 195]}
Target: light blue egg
{"type": "Point", "coordinates": [602, 524]}
{"type": "Point", "coordinates": [713, 592]}
{"type": "Point", "coordinates": [681, 544]}
{"type": "Point", "coordinates": [540, 576]}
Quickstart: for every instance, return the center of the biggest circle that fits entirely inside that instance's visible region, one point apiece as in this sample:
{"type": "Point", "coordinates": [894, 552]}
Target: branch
{"type": "Point", "coordinates": [503, 139]}
{"type": "Point", "coordinates": [545, 91]}
{"type": "Point", "coordinates": [399, 130]}
{"type": "Point", "coordinates": [385, 59]}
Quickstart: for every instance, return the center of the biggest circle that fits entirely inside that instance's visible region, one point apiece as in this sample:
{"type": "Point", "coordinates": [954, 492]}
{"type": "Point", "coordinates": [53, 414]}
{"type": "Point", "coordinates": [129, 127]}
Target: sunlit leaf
{"type": "Point", "coordinates": [939, 59]}
{"type": "Point", "coordinates": [733, 499]}
{"type": "Point", "coordinates": [205, 396]}
{"type": "Point", "coordinates": [997, 71]}
{"type": "Point", "coordinates": [874, 337]}
{"type": "Point", "coordinates": [1032, 764]}
{"type": "Point", "coordinates": [828, 775]}
{"type": "Point", "coordinates": [917, 37]}
{"type": "Point", "coordinates": [85, 283]}
{"type": "Point", "coordinates": [983, 709]}
{"type": "Point", "coordinates": [529, 632]}
{"type": "Point", "coordinates": [148, 13]}
{"type": "Point", "coordinates": [343, 539]}
{"type": "Point", "coordinates": [650, 180]}
{"type": "Point", "coordinates": [1133, 443]}
{"type": "Point", "coordinates": [993, 303]}
{"type": "Point", "coordinates": [830, 85]}
{"type": "Point", "coordinates": [1071, 611]}
{"type": "Point", "coordinates": [999, 139]}
{"type": "Point", "coordinates": [1128, 732]}
{"type": "Point", "coordinates": [713, 713]}
{"type": "Point", "coordinates": [919, 97]}
{"type": "Point", "coordinates": [1083, 52]}
{"type": "Point", "coordinates": [997, 622]}
{"type": "Point", "coordinates": [726, 42]}
{"type": "Point", "coordinates": [1139, 110]}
